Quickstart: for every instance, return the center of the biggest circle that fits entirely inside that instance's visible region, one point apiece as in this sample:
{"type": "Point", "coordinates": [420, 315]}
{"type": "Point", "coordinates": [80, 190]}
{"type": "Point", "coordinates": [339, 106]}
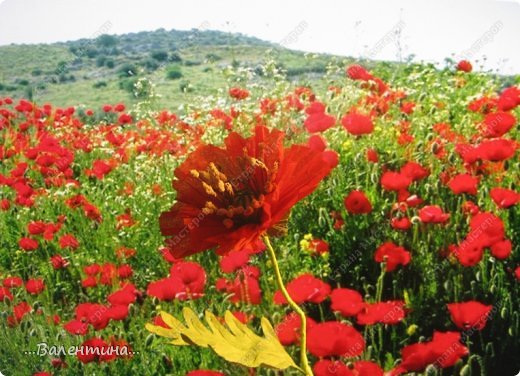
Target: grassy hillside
{"type": "Point", "coordinates": [183, 65]}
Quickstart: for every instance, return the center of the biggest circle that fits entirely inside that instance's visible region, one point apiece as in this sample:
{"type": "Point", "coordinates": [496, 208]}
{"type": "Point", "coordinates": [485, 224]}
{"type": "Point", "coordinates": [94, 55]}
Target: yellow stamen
{"type": "Point", "coordinates": [229, 188]}
{"type": "Point", "coordinates": [209, 190]}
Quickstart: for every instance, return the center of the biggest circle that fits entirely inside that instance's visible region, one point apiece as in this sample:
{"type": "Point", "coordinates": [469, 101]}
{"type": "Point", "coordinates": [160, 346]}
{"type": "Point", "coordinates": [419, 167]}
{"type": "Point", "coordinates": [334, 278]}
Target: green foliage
{"type": "Point", "coordinates": [127, 84]}
{"type": "Point", "coordinates": [159, 55]}
{"type": "Point", "coordinates": [185, 86]}
{"type": "Point", "coordinates": [127, 70]}
{"type": "Point", "coordinates": [173, 72]}
{"type": "Point", "coordinates": [107, 41]}
{"type": "Point", "coordinates": [151, 64]}
{"type": "Point", "coordinates": [99, 84]}
{"type": "Point", "coordinates": [100, 61]}
{"type": "Point", "coordinates": [175, 57]}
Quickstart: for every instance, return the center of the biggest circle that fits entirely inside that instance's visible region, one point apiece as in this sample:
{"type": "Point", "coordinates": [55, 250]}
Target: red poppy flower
{"type": "Point", "coordinates": [502, 249]}
{"type": "Point", "coordinates": [93, 314]}
{"type": "Point", "coordinates": [124, 296]}
{"type": "Point", "coordinates": [124, 119]}
{"type": "Point", "coordinates": [35, 286]}
{"type": "Point", "coordinates": [228, 197]}
{"type": "Point", "coordinates": [469, 252]}
{"type": "Point", "coordinates": [120, 107]}
{"type": "Point", "coordinates": [68, 241]}
{"type": "Point", "coordinates": [486, 229]}
{"type": "Point", "coordinates": [318, 247]}
{"type": "Point", "coordinates": [94, 349]}
{"type": "Point", "coordinates": [333, 338]}
{"type": "Point", "coordinates": [5, 294]}
{"type": "Point", "coordinates": [498, 123]}
{"type": "Point", "coordinates": [407, 107]}
{"type": "Point", "coordinates": [244, 288]}
{"type": "Point", "coordinates": [107, 108]}
{"type": "Point", "coordinates": [393, 255]}
{"type": "Point", "coordinates": [5, 205]}
{"type": "Point", "coordinates": [504, 198]}
{"type": "Point", "coordinates": [318, 120]}
{"type": "Point", "coordinates": [58, 262]}
{"type": "Point", "coordinates": [28, 244]}
{"type": "Point", "coordinates": [395, 181]}
{"type": "Point", "coordinates": [464, 66]}
{"type": "Point", "coordinates": [99, 169]}
{"type": "Point", "coordinates": [357, 124]}
{"type": "Point", "coordinates": [192, 275]}
{"type": "Point", "coordinates": [288, 331]}
{"type": "Point", "coordinates": [107, 274]}
{"type": "Point", "coordinates": [433, 214]}
{"type": "Point", "coordinates": [495, 150]}
{"type": "Point", "coordinates": [125, 271]}
{"type": "Point", "coordinates": [238, 93]}
{"type": "Point", "coordinates": [203, 372]}
{"type": "Point", "coordinates": [305, 288]}
{"type": "Point", "coordinates": [414, 171]}
{"type": "Point", "coordinates": [76, 327]}
{"type": "Point", "coordinates": [186, 281]}
{"type": "Point", "coordinates": [357, 203]}
{"type": "Point", "coordinates": [357, 72]}
{"type": "Point", "coordinates": [391, 312]}
{"type": "Point", "coordinates": [11, 282]}
{"type": "Point", "coordinates": [36, 227]}
{"type": "Point", "coordinates": [19, 312]}
{"type": "Point", "coordinates": [372, 156]}
{"type": "Point", "coordinates": [235, 260]}
{"type": "Point", "coordinates": [470, 314]}
{"type": "Point", "coordinates": [318, 144]}
{"type": "Point", "coordinates": [402, 223]}
{"type": "Point", "coordinates": [509, 99]}
{"type": "Point", "coordinates": [326, 367]}
{"type": "Point", "coordinates": [443, 351]}
{"type": "Point", "coordinates": [469, 207]}
{"type": "Point", "coordinates": [346, 301]}
{"type": "Point", "coordinates": [464, 183]}
{"type": "Point", "coordinates": [117, 312]}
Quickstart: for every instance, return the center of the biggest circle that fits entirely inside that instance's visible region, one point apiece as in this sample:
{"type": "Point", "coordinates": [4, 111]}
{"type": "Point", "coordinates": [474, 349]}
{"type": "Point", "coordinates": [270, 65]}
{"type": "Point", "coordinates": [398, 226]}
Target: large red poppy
{"type": "Point", "coordinates": [504, 198]}
{"type": "Point", "coordinates": [357, 202]}
{"type": "Point", "coordinates": [498, 123]}
{"type": "Point", "coordinates": [470, 314]}
{"type": "Point", "coordinates": [464, 183]}
{"type": "Point", "coordinates": [346, 301]}
{"type": "Point", "coordinates": [357, 124]}
{"type": "Point", "coordinates": [332, 338]}
{"type": "Point", "coordinates": [228, 197]}
{"type": "Point", "coordinates": [288, 331]}
{"type": "Point", "coordinates": [305, 288]}
{"type": "Point", "coordinates": [390, 312]}
{"type": "Point", "coordinates": [442, 351]}
{"type": "Point", "coordinates": [393, 255]}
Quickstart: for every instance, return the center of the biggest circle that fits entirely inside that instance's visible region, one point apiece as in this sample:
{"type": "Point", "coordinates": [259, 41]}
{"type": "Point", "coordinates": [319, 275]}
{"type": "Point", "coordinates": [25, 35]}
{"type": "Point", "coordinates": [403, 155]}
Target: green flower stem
{"type": "Point", "coordinates": [303, 329]}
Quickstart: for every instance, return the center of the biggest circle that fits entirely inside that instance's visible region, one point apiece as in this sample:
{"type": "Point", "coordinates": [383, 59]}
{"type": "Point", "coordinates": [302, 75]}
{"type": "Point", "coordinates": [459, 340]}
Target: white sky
{"type": "Point", "coordinates": [431, 30]}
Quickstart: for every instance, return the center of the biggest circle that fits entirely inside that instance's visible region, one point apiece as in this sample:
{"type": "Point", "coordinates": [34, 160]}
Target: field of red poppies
{"type": "Point", "coordinates": [369, 227]}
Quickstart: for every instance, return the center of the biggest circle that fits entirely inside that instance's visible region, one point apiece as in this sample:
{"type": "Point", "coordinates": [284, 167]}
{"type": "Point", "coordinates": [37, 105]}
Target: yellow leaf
{"type": "Point", "coordinates": [234, 342]}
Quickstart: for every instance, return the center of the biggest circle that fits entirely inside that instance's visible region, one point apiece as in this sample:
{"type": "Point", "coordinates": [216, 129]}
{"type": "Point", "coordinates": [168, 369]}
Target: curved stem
{"type": "Point", "coordinates": [303, 328]}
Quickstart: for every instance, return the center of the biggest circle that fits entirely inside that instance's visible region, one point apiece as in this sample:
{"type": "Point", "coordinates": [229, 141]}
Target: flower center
{"type": "Point", "coordinates": [237, 200]}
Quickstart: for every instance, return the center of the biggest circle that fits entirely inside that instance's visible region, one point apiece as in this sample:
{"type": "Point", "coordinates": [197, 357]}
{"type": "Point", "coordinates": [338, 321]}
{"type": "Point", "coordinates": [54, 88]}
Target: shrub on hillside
{"type": "Point", "coordinates": [173, 72]}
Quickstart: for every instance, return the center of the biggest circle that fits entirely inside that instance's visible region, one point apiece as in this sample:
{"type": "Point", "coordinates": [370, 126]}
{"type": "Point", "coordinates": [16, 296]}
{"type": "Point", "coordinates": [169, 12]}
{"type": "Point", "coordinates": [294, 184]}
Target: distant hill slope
{"type": "Point", "coordinates": [182, 64]}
